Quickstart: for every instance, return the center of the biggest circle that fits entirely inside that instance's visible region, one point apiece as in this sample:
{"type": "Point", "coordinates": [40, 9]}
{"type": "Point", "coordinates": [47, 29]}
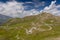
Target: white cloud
{"type": "Point", "coordinates": [15, 9]}
{"type": "Point", "coordinates": [52, 8]}
{"type": "Point", "coordinates": [37, 4]}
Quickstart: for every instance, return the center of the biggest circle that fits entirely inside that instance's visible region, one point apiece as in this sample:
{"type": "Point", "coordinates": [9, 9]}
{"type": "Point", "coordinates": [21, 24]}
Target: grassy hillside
{"type": "Point", "coordinates": [44, 26]}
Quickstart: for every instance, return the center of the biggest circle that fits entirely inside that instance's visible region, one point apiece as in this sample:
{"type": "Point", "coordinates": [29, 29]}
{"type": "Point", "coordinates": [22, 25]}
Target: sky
{"type": "Point", "coordinates": [22, 8]}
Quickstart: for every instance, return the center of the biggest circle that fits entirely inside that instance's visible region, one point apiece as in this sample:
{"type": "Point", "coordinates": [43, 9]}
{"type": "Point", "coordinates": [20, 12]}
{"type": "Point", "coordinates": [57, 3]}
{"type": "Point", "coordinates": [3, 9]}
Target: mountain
{"type": "Point", "coordinates": [3, 18]}
{"type": "Point", "coordinates": [44, 26]}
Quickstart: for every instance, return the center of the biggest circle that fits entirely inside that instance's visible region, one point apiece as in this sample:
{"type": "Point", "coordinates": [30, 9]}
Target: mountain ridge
{"type": "Point", "coordinates": [37, 27]}
{"type": "Point", "coordinates": [3, 18]}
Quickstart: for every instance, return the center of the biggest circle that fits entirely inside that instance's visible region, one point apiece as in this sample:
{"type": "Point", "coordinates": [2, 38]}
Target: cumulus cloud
{"type": "Point", "coordinates": [52, 8]}
{"type": "Point", "coordinates": [15, 9]}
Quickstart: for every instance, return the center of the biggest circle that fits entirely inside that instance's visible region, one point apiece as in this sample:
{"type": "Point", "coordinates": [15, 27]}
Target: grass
{"type": "Point", "coordinates": [14, 29]}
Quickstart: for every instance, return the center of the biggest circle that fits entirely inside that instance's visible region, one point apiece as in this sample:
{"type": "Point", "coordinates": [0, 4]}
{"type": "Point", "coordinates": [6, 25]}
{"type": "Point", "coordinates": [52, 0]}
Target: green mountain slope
{"type": "Point", "coordinates": [44, 26]}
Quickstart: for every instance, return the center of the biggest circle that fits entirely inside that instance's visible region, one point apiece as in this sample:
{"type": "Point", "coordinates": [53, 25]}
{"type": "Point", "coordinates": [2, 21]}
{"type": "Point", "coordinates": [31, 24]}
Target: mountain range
{"type": "Point", "coordinates": [3, 18]}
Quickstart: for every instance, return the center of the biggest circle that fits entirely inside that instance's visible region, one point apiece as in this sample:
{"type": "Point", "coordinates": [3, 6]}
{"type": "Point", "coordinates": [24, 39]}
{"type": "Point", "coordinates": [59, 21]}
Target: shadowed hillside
{"type": "Point", "coordinates": [3, 18]}
{"type": "Point", "coordinates": [38, 27]}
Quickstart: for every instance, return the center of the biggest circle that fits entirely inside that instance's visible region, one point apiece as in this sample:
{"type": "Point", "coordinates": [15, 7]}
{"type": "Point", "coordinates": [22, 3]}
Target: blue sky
{"type": "Point", "coordinates": [48, 1]}
{"type": "Point", "coordinates": [17, 8]}
{"type": "Point", "coordinates": [31, 5]}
